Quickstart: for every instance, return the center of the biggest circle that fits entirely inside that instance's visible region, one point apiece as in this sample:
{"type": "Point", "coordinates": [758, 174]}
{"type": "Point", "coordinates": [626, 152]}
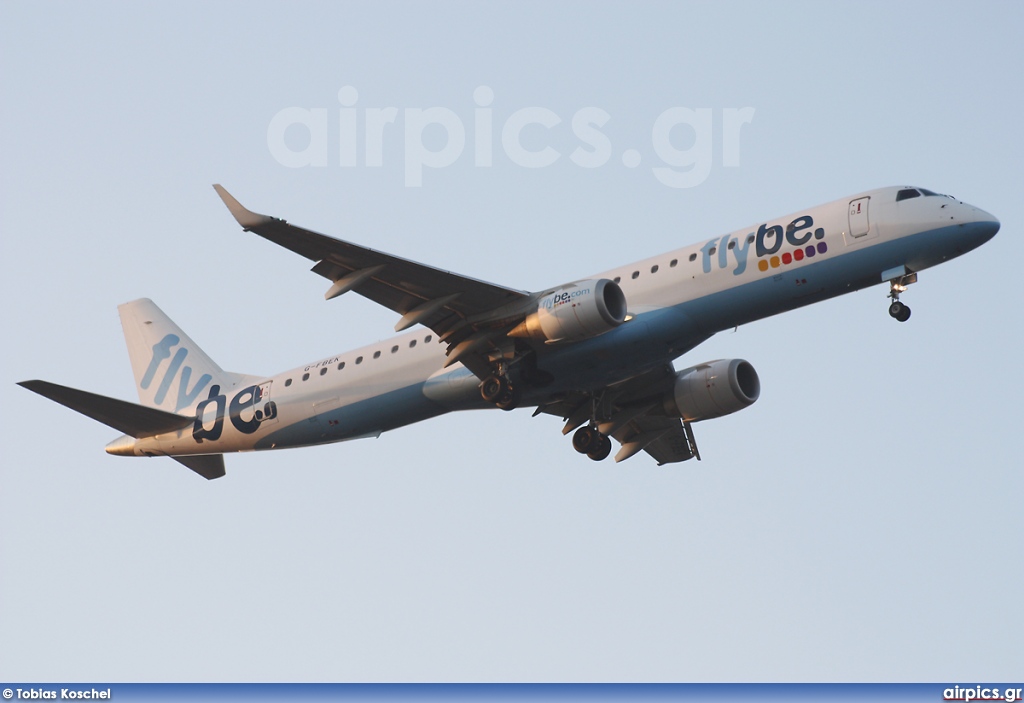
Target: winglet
{"type": "Point", "coordinates": [246, 218]}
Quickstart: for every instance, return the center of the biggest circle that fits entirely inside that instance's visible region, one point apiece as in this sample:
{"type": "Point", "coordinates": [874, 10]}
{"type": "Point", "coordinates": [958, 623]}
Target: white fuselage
{"type": "Point", "coordinates": [675, 301]}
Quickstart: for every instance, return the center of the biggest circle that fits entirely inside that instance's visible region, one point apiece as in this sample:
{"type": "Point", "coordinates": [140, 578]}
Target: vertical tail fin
{"type": "Point", "coordinates": [171, 372]}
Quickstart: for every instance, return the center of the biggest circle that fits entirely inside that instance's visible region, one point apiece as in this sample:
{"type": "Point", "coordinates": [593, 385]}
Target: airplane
{"type": "Point", "coordinates": [596, 352]}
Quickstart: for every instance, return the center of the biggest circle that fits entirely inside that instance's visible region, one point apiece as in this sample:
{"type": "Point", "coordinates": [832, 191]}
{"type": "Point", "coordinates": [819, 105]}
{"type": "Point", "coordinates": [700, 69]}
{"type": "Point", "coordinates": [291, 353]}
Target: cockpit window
{"type": "Point", "coordinates": [925, 191]}
{"type": "Point", "coordinates": [906, 194]}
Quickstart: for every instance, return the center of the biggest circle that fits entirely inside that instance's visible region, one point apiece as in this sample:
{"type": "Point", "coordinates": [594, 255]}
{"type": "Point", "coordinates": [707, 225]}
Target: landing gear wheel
{"type": "Point", "coordinates": [899, 311]}
{"type": "Point", "coordinates": [603, 449]}
{"type": "Point", "coordinates": [509, 398]}
{"type": "Point", "coordinates": [493, 388]}
{"type": "Point", "coordinates": [586, 439]}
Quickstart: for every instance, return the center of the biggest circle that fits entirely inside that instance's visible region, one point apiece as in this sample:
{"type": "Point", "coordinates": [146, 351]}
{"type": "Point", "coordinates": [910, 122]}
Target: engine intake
{"type": "Point", "coordinates": [574, 312]}
{"type": "Point", "coordinates": [713, 389]}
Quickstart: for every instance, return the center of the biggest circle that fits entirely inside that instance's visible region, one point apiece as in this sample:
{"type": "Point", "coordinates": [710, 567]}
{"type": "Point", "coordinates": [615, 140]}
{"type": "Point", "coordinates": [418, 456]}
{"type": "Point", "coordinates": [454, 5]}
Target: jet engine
{"type": "Point", "coordinates": [713, 389]}
{"type": "Point", "coordinates": [574, 312]}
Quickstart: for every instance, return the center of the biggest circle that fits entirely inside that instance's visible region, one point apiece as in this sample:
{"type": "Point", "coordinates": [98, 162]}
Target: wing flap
{"type": "Point", "coordinates": [631, 412]}
{"type": "Point", "coordinates": [673, 446]}
{"type": "Point", "coordinates": [663, 437]}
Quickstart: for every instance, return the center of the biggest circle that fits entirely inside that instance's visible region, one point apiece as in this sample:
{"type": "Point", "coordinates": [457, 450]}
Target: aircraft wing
{"type": "Point", "coordinates": [440, 300]}
{"type": "Point", "coordinates": [664, 438]}
{"type": "Point", "coordinates": [632, 413]}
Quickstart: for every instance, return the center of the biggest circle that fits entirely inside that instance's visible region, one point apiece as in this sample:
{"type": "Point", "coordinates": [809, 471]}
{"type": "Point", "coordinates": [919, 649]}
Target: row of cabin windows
{"type": "Point", "coordinates": [693, 257]}
{"type": "Point", "coordinates": [359, 359]}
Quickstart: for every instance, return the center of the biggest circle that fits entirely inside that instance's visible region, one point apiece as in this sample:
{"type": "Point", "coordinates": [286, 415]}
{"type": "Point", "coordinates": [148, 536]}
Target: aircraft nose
{"type": "Point", "coordinates": [983, 225]}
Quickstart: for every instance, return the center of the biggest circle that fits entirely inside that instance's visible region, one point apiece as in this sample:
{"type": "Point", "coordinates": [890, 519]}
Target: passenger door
{"type": "Point", "coordinates": [861, 228]}
{"type": "Point", "coordinates": [859, 223]}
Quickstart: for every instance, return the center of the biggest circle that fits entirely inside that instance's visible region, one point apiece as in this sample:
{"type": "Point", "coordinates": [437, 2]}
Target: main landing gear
{"type": "Point", "coordinates": [898, 310]}
{"type": "Point", "coordinates": [498, 389]}
{"type": "Point", "coordinates": [588, 440]}
{"type": "Point", "coordinates": [509, 378]}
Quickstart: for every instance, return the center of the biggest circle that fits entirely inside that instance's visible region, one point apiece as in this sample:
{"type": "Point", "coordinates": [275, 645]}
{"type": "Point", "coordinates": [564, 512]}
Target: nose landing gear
{"type": "Point", "coordinates": [897, 310]}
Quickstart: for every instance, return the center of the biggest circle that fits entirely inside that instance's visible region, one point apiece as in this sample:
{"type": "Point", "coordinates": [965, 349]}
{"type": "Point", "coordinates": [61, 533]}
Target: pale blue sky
{"type": "Point", "coordinates": [861, 522]}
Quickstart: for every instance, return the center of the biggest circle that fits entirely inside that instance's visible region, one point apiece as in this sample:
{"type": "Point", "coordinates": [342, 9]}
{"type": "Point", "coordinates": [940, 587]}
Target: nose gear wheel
{"type": "Point", "coordinates": [897, 310]}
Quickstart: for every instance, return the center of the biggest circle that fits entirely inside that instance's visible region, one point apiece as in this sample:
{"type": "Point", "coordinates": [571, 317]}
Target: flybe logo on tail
{"type": "Point", "coordinates": [186, 395]}
{"type": "Point", "coordinates": [768, 241]}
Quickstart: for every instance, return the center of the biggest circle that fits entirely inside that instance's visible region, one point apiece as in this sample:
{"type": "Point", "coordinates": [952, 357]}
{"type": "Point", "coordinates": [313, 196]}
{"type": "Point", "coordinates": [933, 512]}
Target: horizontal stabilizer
{"type": "Point", "coordinates": [129, 418]}
{"type": "Point", "coordinates": [209, 466]}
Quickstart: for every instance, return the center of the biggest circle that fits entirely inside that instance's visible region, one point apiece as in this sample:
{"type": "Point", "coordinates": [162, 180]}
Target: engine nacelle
{"type": "Point", "coordinates": [713, 389]}
{"type": "Point", "coordinates": [575, 311]}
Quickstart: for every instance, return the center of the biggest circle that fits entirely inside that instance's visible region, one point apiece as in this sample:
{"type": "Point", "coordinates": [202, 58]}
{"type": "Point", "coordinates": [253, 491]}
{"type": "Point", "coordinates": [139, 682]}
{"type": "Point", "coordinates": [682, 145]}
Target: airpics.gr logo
{"type": "Point", "coordinates": [768, 241]}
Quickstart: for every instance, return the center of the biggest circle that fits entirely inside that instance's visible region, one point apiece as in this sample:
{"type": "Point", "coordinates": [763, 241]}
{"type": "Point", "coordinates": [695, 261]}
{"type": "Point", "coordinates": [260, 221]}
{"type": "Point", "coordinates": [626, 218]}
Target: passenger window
{"type": "Point", "coordinates": [376, 355]}
{"type": "Point", "coordinates": [750, 239]}
{"type": "Point", "coordinates": [693, 257]}
{"type": "Point", "coordinates": [323, 371]}
{"type": "Point", "coordinates": [713, 250]}
{"type": "Point", "coordinates": [341, 366]}
{"type": "Point", "coordinates": [732, 243]}
{"type": "Point", "coordinates": [906, 194]}
{"type": "Point", "coordinates": [394, 349]}
{"type": "Point", "coordinates": [427, 338]}
{"type": "Point", "coordinates": [305, 377]}
{"type": "Point", "coordinates": [636, 274]}
{"type": "Point", "coordinates": [654, 269]}
{"type": "Point", "coordinates": [412, 344]}
{"type": "Point", "coordinates": [618, 279]}
{"type": "Point", "coordinates": [672, 264]}
{"type": "Point", "coordinates": [288, 382]}
{"type": "Point", "coordinates": [359, 359]}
